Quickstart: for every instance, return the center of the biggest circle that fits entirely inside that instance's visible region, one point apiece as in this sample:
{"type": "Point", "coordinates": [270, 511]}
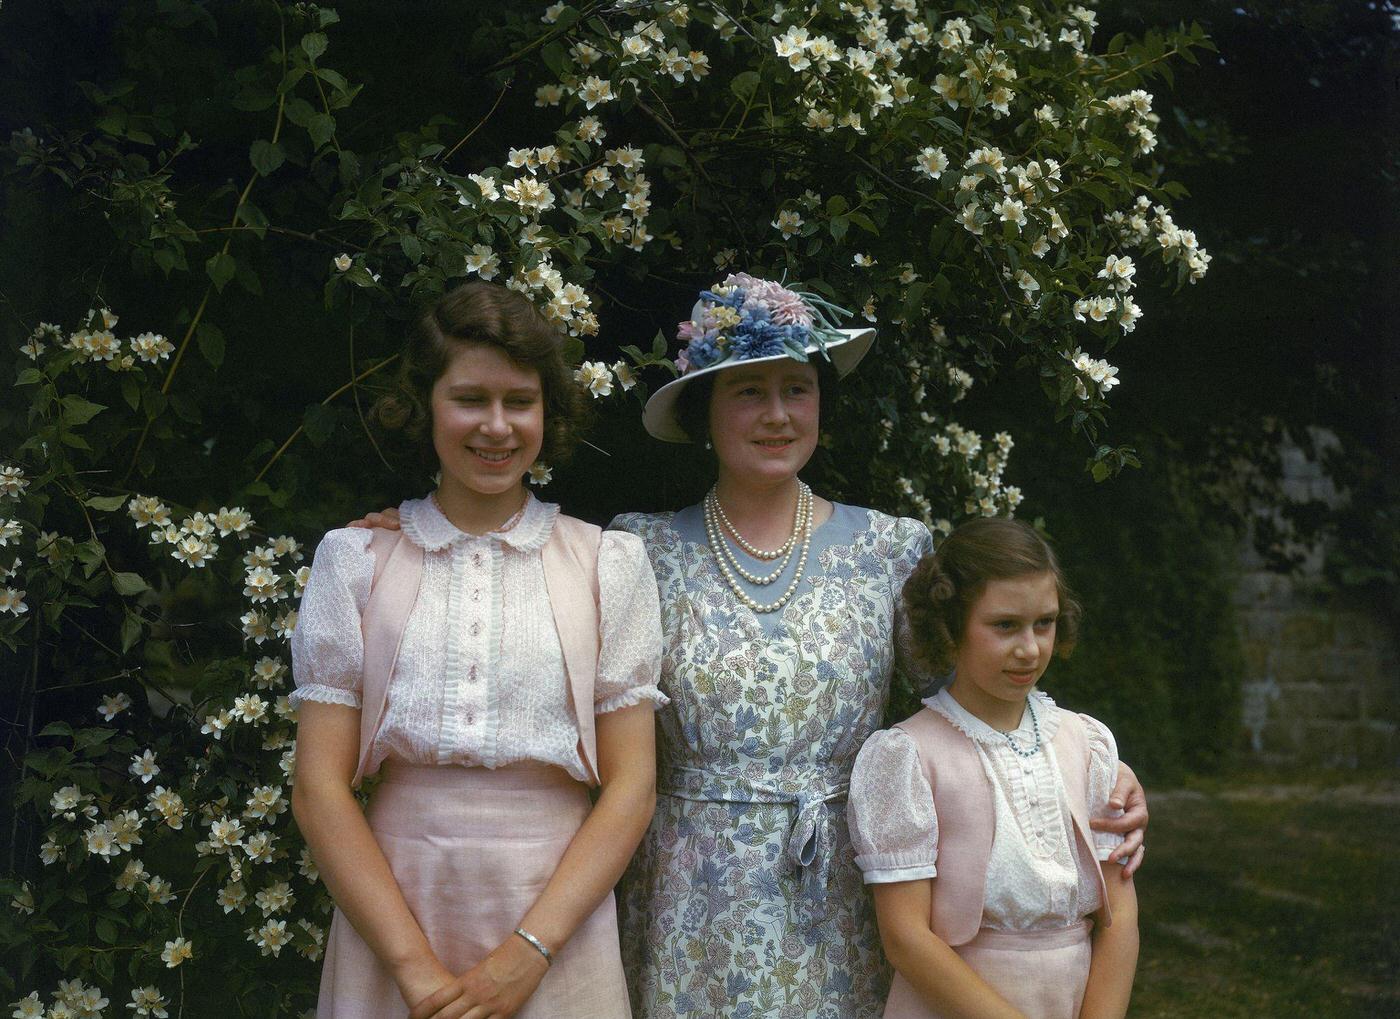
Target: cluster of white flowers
{"type": "Point", "coordinates": [72, 1000]}
{"type": "Point", "coordinates": [97, 342]}
{"type": "Point", "coordinates": [12, 486]}
{"type": "Point", "coordinates": [598, 379]}
{"type": "Point", "coordinates": [1137, 107]}
{"type": "Point", "coordinates": [985, 463]}
{"type": "Point", "coordinates": [1150, 227]}
{"type": "Point", "coordinates": [851, 77]}
{"type": "Point", "coordinates": [1102, 375]}
{"type": "Point", "coordinates": [34, 344]}
{"type": "Point", "coordinates": [192, 543]}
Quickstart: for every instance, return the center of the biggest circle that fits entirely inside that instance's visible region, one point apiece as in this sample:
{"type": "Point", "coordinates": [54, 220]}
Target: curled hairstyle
{"type": "Point", "coordinates": [483, 313]}
{"type": "Point", "coordinates": [946, 583]}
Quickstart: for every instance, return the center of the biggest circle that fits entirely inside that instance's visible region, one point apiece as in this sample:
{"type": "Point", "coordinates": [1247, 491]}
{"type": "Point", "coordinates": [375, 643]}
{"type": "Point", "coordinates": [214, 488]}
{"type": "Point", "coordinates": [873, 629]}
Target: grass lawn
{"type": "Point", "coordinates": [1272, 901]}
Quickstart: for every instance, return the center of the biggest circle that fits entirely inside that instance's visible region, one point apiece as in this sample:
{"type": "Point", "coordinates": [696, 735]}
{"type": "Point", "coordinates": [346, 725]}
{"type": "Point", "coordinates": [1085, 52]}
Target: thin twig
{"type": "Point", "coordinates": [292, 438]}
{"type": "Point", "coordinates": [699, 166]}
{"type": "Point", "coordinates": [355, 392]}
{"type": "Point", "coordinates": [504, 89]}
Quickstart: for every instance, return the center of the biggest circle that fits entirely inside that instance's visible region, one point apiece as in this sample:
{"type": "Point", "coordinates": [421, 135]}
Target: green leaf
{"type": "Point", "coordinates": [321, 128]}
{"type": "Point", "coordinates": [266, 156]}
{"type": "Point", "coordinates": [211, 343]}
{"type": "Point", "coordinates": [128, 583]}
{"type": "Point", "coordinates": [29, 376]}
{"type": "Point", "coordinates": [106, 503]}
{"type": "Point", "coordinates": [838, 227]}
{"type": "Point", "coordinates": [314, 44]}
{"type": "Point", "coordinates": [105, 930]}
{"type": "Point", "coordinates": [744, 84]}
{"type": "Point", "coordinates": [131, 631]}
{"type": "Point", "coordinates": [77, 411]}
{"type": "Point", "coordinates": [914, 299]}
{"type": "Point", "coordinates": [863, 221]}
{"type": "Point", "coordinates": [318, 422]}
{"type": "Point", "coordinates": [300, 112]}
{"type": "Point", "coordinates": [412, 248]}
{"type": "Point", "coordinates": [221, 268]}
{"type": "Point", "coordinates": [186, 408]}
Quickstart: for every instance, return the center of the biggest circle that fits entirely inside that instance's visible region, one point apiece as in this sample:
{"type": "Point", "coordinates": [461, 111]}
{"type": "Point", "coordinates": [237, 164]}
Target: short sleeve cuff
{"type": "Point", "coordinates": [323, 695]}
{"type": "Point", "coordinates": [1106, 842]}
{"type": "Point", "coordinates": [876, 874]}
{"type": "Point", "coordinates": [627, 698]}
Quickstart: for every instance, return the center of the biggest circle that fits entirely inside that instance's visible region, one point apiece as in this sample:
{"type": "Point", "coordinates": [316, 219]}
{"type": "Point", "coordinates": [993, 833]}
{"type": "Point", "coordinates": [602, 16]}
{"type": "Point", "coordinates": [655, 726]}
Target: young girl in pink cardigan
{"type": "Point", "coordinates": [493, 660]}
{"type": "Point", "coordinates": [971, 819]}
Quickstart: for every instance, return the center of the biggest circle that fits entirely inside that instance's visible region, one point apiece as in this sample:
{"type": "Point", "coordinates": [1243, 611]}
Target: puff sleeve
{"type": "Point", "coordinates": [1103, 773]}
{"type": "Point", "coordinates": [894, 828]}
{"type": "Point", "coordinates": [629, 614]}
{"type": "Point", "coordinates": [328, 645]}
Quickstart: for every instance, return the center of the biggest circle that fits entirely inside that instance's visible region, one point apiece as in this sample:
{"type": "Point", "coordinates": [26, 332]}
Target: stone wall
{"type": "Point", "coordinates": [1322, 677]}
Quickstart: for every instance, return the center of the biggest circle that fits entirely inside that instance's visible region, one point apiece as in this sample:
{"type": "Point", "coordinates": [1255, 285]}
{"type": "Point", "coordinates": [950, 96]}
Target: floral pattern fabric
{"type": "Point", "coordinates": [744, 900]}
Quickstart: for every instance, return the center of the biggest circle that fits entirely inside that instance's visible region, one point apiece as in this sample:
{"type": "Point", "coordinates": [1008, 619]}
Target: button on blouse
{"type": "Point", "coordinates": [480, 676]}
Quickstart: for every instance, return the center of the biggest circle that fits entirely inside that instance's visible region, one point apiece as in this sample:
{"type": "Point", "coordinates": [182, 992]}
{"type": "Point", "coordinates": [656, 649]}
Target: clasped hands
{"type": "Point", "coordinates": [495, 988]}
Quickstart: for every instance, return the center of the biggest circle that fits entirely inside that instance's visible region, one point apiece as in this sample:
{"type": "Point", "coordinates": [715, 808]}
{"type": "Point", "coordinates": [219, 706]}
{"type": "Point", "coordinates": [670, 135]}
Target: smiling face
{"type": "Point", "coordinates": [764, 420]}
{"type": "Point", "coordinates": [1007, 640]}
{"type": "Point", "coordinates": [488, 424]}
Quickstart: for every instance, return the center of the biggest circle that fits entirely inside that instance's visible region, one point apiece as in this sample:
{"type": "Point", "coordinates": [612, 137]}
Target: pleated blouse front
{"type": "Point", "coordinates": [480, 677]}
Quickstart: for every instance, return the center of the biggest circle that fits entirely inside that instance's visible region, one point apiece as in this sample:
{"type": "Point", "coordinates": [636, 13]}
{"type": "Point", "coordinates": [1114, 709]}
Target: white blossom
{"type": "Point", "coordinates": [144, 767]}
{"type": "Point", "coordinates": [176, 952]}
{"type": "Point", "coordinates": [788, 223]}
{"type": "Point", "coordinates": [595, 377]}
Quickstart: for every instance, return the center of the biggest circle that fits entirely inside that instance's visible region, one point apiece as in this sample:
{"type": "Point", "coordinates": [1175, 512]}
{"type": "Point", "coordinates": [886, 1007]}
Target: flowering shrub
{"type": "Point", "coordinates": [982, 181]}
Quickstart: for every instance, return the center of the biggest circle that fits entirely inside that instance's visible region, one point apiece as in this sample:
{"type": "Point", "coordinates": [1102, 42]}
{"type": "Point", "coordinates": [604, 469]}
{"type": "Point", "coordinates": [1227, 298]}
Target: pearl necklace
{"type": "Point", "coordinates": [803, 511]}
{"type": "Point", "coordinates": [760, 553]}
{"type": "Point", "coordinates": [729, 564]}
{"type": "Point", "coordinates": [1035, 728]}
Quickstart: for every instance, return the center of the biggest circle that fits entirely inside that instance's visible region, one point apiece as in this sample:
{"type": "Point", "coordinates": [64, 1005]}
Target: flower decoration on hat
{"type": "Point", "coordinates": [745, 318]}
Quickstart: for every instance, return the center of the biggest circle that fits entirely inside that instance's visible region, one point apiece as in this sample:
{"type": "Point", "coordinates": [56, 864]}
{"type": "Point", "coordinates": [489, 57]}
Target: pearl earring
{"type": "Point", "coordinates": [709, 444]}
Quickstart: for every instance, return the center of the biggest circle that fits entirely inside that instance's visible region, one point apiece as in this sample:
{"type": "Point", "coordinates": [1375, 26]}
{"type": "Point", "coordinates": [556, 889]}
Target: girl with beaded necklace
{"type": "Point", "coordinates": [970, 819]}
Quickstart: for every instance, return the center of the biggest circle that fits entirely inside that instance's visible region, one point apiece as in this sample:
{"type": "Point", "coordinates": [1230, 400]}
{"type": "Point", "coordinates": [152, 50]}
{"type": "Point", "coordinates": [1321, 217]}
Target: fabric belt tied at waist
{"type": "Point", "coordinates": [810, 839]}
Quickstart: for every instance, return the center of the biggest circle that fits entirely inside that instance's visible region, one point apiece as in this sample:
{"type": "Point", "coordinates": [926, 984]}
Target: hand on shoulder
{"type": "Point", "coordinates": [387, 519]}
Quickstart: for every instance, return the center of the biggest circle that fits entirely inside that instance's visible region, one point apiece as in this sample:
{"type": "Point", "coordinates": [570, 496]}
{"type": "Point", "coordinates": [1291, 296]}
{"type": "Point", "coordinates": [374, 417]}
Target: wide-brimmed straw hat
{"type": "Point", "coordinates": [748, 321]}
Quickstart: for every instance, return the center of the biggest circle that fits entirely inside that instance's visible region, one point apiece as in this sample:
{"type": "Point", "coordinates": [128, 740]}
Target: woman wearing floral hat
{"type": "Point", "coordinates": [778, 612]}
{"type": "Point", "coordinates": [778, 616]}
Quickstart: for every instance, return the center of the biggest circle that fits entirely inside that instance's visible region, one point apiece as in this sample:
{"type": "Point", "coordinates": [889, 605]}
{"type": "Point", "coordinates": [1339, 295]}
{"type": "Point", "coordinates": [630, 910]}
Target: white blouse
{"type": "Point", "coordinates": [480, 677]}
{"type": "Point", "coordinates": [1037, 877]}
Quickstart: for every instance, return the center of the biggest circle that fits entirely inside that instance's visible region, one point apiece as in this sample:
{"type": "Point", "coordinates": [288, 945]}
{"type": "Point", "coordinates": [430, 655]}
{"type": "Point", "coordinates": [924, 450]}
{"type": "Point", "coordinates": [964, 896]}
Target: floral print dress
{"type": "Point", "coordinates": [744, 900]}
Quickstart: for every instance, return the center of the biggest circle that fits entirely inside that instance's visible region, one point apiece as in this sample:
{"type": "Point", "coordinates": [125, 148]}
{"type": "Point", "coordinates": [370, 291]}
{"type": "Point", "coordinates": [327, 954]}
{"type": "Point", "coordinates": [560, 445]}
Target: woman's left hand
{"type": "Point", "coordinates": [1128, 796]}
{"type": "Point", "coordinates": [494, 988]}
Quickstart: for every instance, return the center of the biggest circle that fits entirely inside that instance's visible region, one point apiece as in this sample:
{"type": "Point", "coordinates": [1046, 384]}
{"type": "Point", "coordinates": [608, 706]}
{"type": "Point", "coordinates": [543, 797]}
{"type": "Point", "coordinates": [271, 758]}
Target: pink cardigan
{"type": "Point", "coordinates": [571, 578]}
{"type": "Point", "coordinates": [962, 796]}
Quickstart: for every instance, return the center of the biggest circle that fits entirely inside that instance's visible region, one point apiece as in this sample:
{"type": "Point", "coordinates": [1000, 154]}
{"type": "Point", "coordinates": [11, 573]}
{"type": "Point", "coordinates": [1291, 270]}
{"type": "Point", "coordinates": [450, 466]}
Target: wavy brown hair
{"type": "Point", "coordinates": [483, 313]}
{"type": "Point", "coordinates": [946, 583]}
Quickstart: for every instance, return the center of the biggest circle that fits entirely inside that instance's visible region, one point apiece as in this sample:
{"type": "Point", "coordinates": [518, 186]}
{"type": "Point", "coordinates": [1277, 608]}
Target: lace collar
{"type": "Point", "coordinates": [426, 526]}
{"type": "Point", "coordinates": [979, 731]}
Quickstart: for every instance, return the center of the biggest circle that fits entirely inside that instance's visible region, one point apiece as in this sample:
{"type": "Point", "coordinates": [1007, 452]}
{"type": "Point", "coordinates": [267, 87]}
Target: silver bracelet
{"type": "Point", "coordinates": [537, 945]}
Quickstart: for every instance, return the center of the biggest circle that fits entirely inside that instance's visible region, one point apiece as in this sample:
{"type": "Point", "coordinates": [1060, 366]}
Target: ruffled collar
{"type": "Point", "coordinates": [426, 526]}
{"type": "Point", "coordinates": [1047, 715]}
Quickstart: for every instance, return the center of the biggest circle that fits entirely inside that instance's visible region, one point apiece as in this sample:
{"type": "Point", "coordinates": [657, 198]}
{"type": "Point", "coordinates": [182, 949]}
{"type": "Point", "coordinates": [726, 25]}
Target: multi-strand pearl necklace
{"type": "Point", "coordinates": [716, 524]}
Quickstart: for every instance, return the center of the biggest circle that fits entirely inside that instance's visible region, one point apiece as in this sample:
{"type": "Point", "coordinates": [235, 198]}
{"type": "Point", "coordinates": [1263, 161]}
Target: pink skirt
{"type": "Point", "coordinates": [471, 850]}
{"type": "Point", "coordinates": [1041, 973]}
